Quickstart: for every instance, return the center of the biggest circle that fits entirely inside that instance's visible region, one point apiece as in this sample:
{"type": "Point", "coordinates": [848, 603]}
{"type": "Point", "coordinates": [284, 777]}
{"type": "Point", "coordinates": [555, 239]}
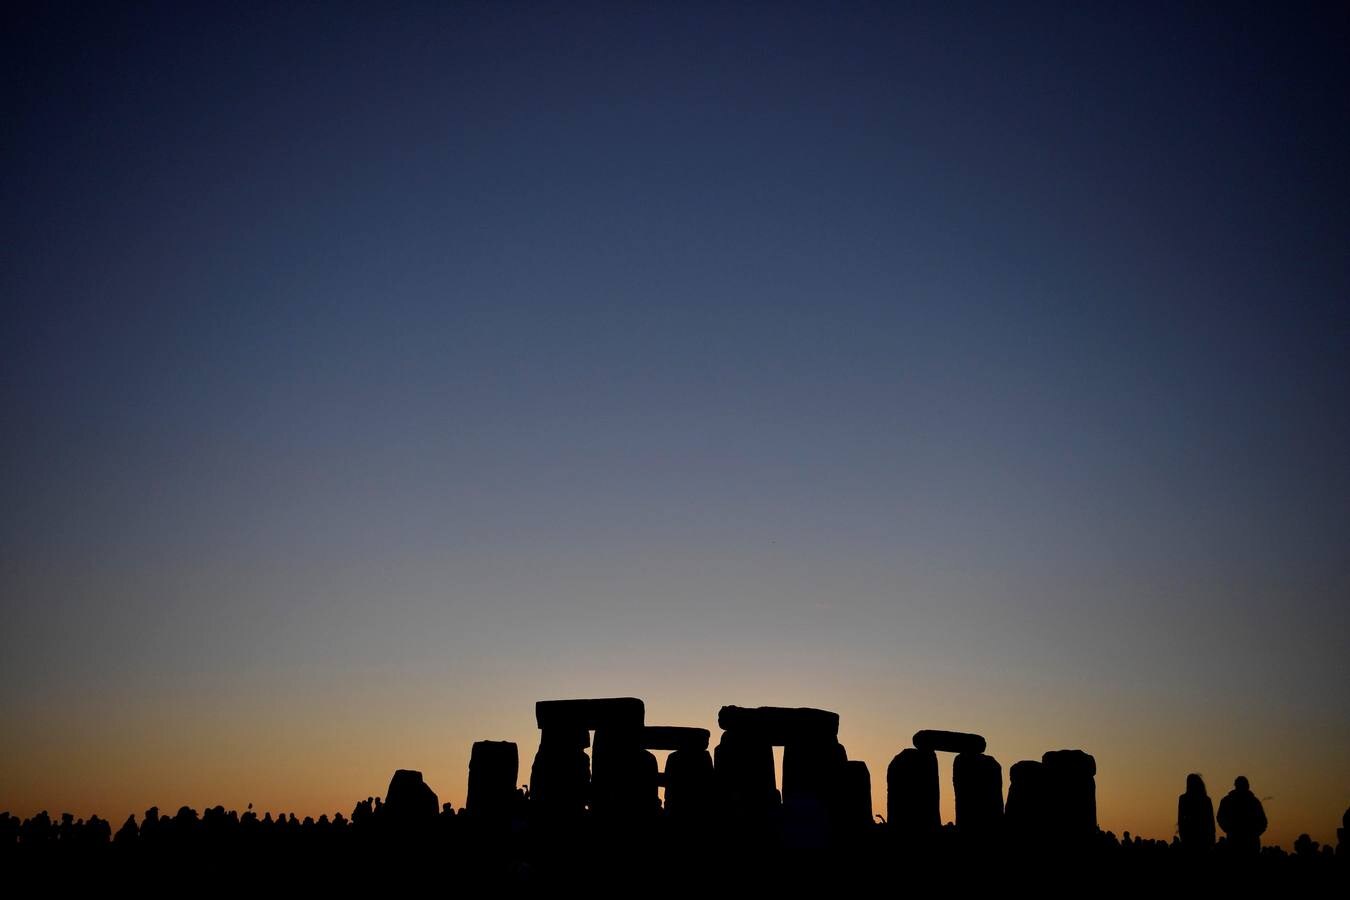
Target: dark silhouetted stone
{"type": "Point", "coordinates": [623, 777]}
{"type": "Point", "coordinates": [743, 765]}
{"type": "Point", "coordinates": [811, 770]}
{"type": "Point", "coordinates": [590, 715]}
{"type": "Point", "coordinates": [857, 796]}
{"type": "Point", "coordinates": [978, 783]}
{"type": "Point", "coordinates": [780, 726]}
{"type": "Point", "coordinates": [913, 793]}
{"type": "Point", "coordinates": [673, 737]}
{"type": "Point", "coordinates": [948, 741]}
{"type": "Point", "coordinates": [1071, 790]}
{"type": "Point", "coordinates": [561, 775]}
{"type": "Point", "coordinates": [494, 767]}
{"type": "Point", "coordinates": [690, 785]}
{"type": "Point", "coordinates": [1076, 761]}
{"type": "Point", "coordinates": [813, 786]}
{"type": "Point", "coordinates": [410, 799]}
{"type": "Point", "coordinates": [1026, 812]}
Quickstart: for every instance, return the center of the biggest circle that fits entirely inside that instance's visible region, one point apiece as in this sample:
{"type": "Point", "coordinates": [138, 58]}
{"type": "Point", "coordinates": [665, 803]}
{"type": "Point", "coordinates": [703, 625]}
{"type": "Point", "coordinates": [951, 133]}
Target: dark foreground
{"type": "Point", "coordinates": [222, 850]}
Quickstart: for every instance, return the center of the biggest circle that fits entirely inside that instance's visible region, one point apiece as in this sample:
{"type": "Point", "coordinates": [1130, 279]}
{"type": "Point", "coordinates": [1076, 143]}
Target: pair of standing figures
{"type": "Point", "coordinates": [1241, 817]}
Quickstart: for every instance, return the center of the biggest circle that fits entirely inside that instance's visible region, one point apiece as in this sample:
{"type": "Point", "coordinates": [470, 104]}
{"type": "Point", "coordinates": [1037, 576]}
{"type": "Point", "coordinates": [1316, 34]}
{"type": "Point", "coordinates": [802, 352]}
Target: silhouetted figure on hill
{"type": "Point", "coordinates": [1305, 846]}
{"type": "Point", "coordinates": [9, 830]}
{"type": "Point", "coordinates": [151, 828]}
{"type": "Point", "coordinates": [97, 831]}
{"type": "Point", "coordinates": [1242, 818]}
{"type": "Point", "coordinates": [1195, 816]}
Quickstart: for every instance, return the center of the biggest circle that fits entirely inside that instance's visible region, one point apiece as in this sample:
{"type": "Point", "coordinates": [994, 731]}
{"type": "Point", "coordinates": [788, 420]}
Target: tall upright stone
{"type": "Point", "coordinates": [913, 793]}
{"type": "Point", "coordinates": [812, 772]}
{"type": "Point", "coordinates": [494, 767]}
{"type": "Point", "coordinates": [624, 778]}
{"type": "Point", "coordinates": [561, 775]}
{"type": "Point", "coordinates": [813, 791]}
{"type": "Point", "coordinates": [1071, 789]}
{"type": "Point", "coordinates": [746, 784]}
{"type": "Point", "coordinates": [690, 786]}
{"type": "Point", "coordinates": [857, 799]}
{"type": "Point", "coordinates": [1025, 815]}
{"type": "Point", "coordinates": [688, 777]}
{"type": "Point", "coordinates": [978, 783]}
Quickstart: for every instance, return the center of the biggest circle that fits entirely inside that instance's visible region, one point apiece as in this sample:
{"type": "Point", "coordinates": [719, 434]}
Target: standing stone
{"type": "Point", "coordinates": [857, 800]}
{"type": "Point", "coordinates": [745, 778]}
{"type": "Point", "coordinates": [624, 778]}
{"type": "Point", "coordinates": [689, 785]}
{"type": "Point", "coordinates": [493, 769]}
{"type": "Point", "coordinates": [410, 800]}
{"type": "Point", "coordinates": [1071, 789]}
{"type": "Point", "coordinates": [1026, 811]}
{"type": "Point", "coordinates": [813, 784]}
{"type": "Point", "coordinates": [561, 775]}
{"type": "Point", "coordinates": [978, 782]}
{"type": "Point", "coordinates": [913, 793]}
{"type": "Point", "coordinates": [812, 771]}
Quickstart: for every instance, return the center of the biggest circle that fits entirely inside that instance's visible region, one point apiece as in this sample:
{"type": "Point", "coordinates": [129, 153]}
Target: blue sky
{"type": "Point", "coordinates": [497, 347]}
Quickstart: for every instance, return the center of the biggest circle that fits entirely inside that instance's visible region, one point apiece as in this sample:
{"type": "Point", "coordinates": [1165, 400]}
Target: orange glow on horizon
{"type": "Point", "coordinates": [326, 761]}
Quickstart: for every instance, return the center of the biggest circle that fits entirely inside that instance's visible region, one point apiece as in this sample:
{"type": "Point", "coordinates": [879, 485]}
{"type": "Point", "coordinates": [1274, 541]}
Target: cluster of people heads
{"type": "Point", "coordinates": [1240, 816]}
{"type": "Point", "coordinates": [215, 822]}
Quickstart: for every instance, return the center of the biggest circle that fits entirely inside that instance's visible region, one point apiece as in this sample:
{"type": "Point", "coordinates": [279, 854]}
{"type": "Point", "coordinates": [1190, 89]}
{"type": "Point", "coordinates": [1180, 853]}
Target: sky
{"type": "Point", "coordinates": [367, 374]}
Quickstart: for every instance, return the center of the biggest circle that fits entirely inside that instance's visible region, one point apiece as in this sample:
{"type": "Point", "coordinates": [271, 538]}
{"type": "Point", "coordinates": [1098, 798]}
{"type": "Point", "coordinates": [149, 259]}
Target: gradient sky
{"type": "Point", "coordinates": [367, 375]}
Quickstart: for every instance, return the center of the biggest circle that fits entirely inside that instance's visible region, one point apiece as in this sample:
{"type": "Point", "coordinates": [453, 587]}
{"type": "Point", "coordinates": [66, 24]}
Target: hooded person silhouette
{"type": "Point", "coordinates": [1242, 818]}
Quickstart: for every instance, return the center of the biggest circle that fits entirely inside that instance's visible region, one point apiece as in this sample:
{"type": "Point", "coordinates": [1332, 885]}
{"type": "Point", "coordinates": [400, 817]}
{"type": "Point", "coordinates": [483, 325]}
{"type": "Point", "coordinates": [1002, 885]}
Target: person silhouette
{"type": "Point", "coordinates": [1242, 818]}
{"type": "Point", "coordinates": [1195, 816]}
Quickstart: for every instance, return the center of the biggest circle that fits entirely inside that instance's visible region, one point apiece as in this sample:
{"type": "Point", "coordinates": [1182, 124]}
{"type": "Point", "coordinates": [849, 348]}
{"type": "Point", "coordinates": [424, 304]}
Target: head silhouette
{"type": "Point", "coordinates": [1241, 783]}
{"type": "Point", "coordinates": [1195, 784]}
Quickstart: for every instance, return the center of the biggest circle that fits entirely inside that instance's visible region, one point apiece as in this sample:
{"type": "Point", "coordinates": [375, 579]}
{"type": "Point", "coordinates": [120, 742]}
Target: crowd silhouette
{"type": "Point", "coordinates": [600, 819]}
